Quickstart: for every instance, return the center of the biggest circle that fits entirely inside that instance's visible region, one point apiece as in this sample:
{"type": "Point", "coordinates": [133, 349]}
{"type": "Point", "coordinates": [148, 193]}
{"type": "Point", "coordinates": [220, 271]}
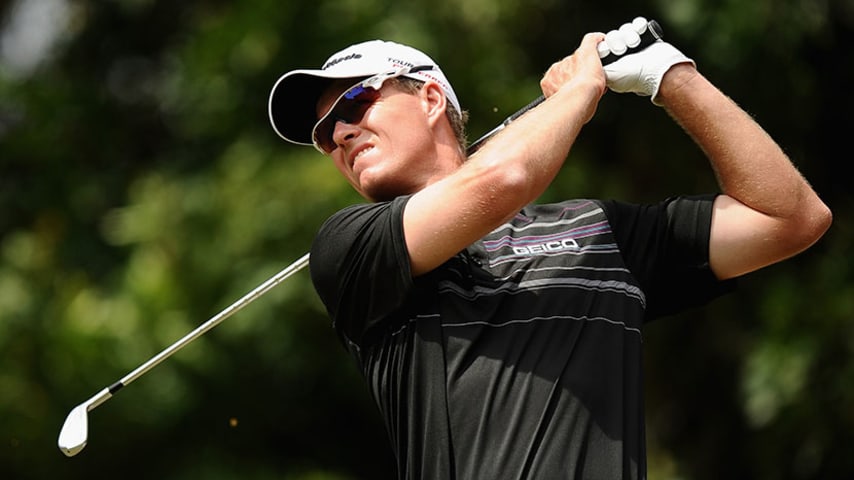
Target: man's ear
{"type": "Point", "coordinates": [434, 101]}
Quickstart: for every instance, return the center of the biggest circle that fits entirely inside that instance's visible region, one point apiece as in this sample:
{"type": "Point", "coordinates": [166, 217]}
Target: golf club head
{"type": "Point", "coordinates": [74, 433]}
{"type": "Point", "coordinates": [75, 430]}
{"type": "Point", "coordinates": [72, 437]}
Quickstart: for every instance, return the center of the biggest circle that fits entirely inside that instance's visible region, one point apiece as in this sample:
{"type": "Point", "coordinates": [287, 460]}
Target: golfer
{"type": "Point", "coordinates": [499, 338]}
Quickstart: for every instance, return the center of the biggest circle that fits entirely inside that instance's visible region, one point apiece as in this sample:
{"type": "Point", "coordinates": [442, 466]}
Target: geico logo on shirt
{"type": "Point", "coordinates": [556, 246]}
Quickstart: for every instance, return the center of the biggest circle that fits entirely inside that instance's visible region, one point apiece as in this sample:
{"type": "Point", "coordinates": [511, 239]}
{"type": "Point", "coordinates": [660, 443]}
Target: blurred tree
{"type": "Point", "coordinates": [142, 191]}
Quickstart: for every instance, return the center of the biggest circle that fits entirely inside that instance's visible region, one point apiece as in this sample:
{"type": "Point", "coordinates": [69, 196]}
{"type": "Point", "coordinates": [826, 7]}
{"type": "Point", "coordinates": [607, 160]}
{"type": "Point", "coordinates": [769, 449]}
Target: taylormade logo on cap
{"type": "Point", "coordinates": [332, 63]}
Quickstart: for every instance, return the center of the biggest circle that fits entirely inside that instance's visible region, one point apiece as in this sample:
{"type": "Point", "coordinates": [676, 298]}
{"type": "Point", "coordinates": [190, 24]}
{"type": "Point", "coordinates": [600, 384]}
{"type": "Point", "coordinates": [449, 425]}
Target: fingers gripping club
{"type": "Point", "coordinates": [629, 38]}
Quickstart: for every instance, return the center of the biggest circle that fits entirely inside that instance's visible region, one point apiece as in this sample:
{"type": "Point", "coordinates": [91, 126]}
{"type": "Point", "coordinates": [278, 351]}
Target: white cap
{"type": "Point", "coordinates": [293, 99]}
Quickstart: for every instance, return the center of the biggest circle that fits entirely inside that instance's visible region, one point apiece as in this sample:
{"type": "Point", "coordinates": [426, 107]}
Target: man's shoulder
{"type": "Point", "coordinates": [361, 213]}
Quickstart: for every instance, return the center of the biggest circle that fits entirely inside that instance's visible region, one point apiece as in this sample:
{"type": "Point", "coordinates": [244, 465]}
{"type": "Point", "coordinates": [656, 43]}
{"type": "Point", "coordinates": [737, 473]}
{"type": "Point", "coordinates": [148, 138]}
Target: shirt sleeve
{"type": "Point", "coordinates": [360, 266]}
{"type": "Point", "coordinates": [666, 247]}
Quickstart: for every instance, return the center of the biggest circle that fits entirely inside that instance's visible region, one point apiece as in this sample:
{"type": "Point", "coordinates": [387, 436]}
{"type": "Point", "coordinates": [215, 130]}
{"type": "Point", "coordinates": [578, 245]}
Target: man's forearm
{"type": "Point", "coordinates": [749, 164]}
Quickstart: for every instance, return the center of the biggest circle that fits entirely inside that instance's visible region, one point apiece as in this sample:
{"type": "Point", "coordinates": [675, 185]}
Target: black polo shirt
{"type": "Point", "coordinates": [520, 357]}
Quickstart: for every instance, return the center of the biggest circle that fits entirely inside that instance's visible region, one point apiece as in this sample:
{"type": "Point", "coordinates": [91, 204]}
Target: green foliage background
{"type": "Point", "coordinates": [142, 191]}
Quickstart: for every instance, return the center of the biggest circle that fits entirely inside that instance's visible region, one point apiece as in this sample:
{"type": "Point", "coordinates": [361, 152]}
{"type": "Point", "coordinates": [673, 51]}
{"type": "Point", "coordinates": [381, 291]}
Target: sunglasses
{"type": "Point", "coordinates": [350, 107]}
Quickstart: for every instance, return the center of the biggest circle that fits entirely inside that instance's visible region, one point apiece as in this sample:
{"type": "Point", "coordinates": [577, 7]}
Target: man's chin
{"type": "Point", "coordinates": [380, 186]}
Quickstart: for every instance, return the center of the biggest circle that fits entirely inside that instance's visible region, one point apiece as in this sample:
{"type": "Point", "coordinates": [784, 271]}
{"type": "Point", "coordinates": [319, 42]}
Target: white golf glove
{"type": "Point", "coordinates": [640, 72]}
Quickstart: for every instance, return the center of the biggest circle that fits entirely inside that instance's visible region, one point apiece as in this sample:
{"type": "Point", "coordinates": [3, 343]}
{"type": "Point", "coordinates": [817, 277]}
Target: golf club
{"type": "Point", "coordinates": [74, 433]}
{"type": "Point", "coordinates": [640, 34]}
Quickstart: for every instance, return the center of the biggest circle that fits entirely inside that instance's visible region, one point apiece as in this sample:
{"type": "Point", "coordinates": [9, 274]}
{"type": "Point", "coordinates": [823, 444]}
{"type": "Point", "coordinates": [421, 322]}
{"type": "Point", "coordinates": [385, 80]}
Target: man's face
{"type": "Point", "coordinates": [387, 152]}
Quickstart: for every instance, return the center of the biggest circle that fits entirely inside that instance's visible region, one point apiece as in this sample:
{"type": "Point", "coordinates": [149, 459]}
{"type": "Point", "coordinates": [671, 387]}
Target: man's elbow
{"type": "Point", "coordinates": [814, 221]}
{"type": "Point", "coordinates": [823, 218]}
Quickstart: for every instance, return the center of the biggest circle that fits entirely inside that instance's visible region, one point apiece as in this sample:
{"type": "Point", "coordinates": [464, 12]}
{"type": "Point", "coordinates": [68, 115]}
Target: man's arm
{"type": "Point", "coordinates": [511, 170]}
{"type": "Point", "coordinates": [768, 211]}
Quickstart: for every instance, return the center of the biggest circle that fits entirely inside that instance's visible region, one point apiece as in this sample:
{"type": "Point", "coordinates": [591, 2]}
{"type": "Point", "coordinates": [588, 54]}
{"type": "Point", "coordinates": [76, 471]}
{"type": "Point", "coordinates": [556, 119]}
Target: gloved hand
{"type": "Point", "coordinates": [640, 72]}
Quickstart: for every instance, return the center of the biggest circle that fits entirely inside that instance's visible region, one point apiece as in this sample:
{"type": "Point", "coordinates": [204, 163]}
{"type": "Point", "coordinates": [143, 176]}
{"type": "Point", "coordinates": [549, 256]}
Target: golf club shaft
{"type": "Point", "coordinates": [73, 435]}
{"type": "Point", "coordinates": [201, 329]}
{"type": "Point", "coordinates": [652, 33]}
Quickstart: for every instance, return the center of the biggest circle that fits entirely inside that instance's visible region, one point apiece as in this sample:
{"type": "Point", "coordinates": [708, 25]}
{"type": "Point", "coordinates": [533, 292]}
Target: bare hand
{"type": "Point", "coordinates": [582, 66]}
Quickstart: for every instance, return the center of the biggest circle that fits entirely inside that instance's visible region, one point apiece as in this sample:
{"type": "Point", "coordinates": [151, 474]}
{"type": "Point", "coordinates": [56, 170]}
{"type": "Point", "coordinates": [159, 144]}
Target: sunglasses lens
{"type": "Point", "coordinates": [349, 108]}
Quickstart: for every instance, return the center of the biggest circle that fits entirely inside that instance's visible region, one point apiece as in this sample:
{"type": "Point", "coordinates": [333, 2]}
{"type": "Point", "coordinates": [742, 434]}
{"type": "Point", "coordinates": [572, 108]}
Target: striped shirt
{"type": "Point", "coordinates": [520, 357]}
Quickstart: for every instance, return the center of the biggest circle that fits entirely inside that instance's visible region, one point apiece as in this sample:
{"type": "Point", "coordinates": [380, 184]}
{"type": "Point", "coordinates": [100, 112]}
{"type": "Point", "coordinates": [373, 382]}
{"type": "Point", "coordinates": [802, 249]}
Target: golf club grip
{"type": "Point", "coordinates": [651, 34]}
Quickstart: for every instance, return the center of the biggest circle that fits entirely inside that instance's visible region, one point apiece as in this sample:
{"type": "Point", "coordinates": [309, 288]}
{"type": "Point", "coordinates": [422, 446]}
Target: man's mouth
{"type": "Point", "coordinates": [360, 153]}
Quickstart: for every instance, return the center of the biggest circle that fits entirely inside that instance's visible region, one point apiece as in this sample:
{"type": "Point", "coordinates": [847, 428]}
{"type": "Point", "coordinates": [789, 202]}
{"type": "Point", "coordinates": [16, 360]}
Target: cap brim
{"type": "Point", "coordinates": [293, 102]}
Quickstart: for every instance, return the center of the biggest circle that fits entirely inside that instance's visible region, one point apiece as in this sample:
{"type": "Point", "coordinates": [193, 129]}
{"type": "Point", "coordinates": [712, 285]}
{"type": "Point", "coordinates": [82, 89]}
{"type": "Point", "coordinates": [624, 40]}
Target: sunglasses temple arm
{"type": "Point", "coordinates": [479, 142]}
